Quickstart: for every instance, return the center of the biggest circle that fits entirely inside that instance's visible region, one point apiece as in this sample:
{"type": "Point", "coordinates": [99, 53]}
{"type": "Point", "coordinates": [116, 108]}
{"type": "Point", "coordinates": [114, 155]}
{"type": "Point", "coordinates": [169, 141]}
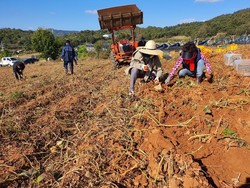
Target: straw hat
{"type": "Point", "coordinates": [150, 49]}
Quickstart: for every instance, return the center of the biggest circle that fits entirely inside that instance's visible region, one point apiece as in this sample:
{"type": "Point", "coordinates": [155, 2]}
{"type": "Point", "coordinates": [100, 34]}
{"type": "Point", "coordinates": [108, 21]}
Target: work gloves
{"type": "Point", "coordinates": [156, 80]}
{"type": "Point", "coordinates": [145, 68]}
{"type": "Point", "coordinates": [167, 80]}
{"type": "Point", "coordinates": [209, 77]}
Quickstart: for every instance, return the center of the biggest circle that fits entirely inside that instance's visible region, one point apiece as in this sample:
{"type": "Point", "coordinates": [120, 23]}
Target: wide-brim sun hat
{"type": "Point", "coordinates": [152, 52]}
{"type": "Point", "coordinates": [150, 49]}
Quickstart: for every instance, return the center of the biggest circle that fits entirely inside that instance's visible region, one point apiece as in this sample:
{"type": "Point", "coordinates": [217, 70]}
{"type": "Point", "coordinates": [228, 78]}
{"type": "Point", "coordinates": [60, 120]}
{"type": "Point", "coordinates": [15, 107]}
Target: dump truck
{"type": "Point", "coordinates": [119, 18]}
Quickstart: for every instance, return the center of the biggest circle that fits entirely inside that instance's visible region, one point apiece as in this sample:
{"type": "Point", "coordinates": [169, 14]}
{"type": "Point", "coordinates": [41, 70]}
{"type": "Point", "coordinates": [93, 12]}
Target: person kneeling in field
{"type": "Point", "coordinates": [193, 63]}
{"type": "Point", "coordinates": [145, 64]}
{"type": "Point", "coordinates": [18, 68]}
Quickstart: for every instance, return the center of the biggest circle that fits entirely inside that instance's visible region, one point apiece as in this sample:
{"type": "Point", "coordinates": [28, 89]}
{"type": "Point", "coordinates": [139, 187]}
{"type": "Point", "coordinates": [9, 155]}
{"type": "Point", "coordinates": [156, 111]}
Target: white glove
{"type": "Point", "coordinates": [156, 80]}
{"type": "Point", "coordinates": [167, 80]}
{"type": "Point", "coordinates": [145, 67]}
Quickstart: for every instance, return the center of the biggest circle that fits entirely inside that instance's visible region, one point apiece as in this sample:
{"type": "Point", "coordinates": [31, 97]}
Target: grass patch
{"type": "Point", "coordinates": [34, 76]}
{"type": "Point", "coordinates": [228, 132]}
{"type": "Point", "coordinates": [17, 95]}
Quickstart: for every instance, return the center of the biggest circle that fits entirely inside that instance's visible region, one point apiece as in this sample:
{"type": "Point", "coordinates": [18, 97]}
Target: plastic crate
{"type": "Point", "coordinates": [230, 58]}
{"type": "Point", "coordinates": [242, 66]}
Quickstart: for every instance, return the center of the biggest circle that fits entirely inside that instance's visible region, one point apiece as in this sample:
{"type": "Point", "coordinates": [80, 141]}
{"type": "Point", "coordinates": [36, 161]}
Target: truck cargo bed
{"type": "Point", "coordinates": [121, 16]}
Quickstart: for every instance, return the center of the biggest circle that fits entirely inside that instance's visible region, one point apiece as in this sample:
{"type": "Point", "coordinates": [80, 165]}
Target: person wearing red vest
{"type": "Point", "coordinates": [193, 63]}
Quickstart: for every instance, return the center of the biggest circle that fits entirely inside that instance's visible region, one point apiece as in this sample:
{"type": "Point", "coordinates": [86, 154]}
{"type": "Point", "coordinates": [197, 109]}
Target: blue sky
{"type": "Point", "coordinates": [81, 15]}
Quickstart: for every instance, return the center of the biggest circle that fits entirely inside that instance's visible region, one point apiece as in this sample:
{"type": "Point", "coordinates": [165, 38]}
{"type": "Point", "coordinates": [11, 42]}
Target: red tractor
{"type": "Point", "coordinates": [119, 18]}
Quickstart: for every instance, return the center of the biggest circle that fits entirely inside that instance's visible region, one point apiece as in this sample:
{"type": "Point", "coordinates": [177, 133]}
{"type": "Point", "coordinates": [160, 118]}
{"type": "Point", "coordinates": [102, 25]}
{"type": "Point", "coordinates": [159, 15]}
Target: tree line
{"type": "Point", "coordinates": [49, 45]}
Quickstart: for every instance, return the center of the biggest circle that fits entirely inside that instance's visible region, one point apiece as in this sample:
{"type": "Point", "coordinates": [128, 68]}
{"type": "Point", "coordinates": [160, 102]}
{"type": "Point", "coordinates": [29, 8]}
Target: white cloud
{"type": "Point", "coordinates": [91, 11]}
{"type": "Point", "coordinates": [189, 20]}
{"type": "Point", "coordinates": [208, 1]}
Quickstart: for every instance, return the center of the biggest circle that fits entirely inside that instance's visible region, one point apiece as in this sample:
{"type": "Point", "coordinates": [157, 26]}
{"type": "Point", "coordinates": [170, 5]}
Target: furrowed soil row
{"type": "Point", "coordinates": [84, 130]}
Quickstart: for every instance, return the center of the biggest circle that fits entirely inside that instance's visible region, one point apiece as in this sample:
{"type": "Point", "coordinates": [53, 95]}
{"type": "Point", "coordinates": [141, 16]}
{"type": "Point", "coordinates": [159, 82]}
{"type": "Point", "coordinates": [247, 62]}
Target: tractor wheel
{"type": "Point", "coordinates": [114, 61]}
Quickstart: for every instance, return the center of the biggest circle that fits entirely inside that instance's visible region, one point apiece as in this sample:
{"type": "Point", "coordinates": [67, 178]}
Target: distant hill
{"type": "Point", "coordinates": [232, 25]}
{"type": "Point", "coordinates": [61, 32]}
{"type": "Point", "coordinates": [236, 24]}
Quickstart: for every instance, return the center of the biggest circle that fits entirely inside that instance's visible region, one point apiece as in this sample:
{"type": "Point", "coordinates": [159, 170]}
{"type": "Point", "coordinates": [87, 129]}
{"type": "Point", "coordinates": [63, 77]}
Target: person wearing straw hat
{"type": "Point", "coordinates": [145, 64]}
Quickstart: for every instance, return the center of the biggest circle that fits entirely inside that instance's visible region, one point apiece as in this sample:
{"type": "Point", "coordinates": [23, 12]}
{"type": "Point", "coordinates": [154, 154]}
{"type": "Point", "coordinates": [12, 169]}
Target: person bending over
{"type": "Point", "coordinates": [193, 63]}
{"type": "Point", "coordinates": [18, 68]}
{"type": "Point", "coordinates": [145, 64]}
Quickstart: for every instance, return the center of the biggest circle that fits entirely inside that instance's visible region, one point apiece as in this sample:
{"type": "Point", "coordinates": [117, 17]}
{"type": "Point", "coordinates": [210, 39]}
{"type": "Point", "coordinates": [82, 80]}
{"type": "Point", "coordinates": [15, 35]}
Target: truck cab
{"type": "Point", "coordinates": [8, 61]}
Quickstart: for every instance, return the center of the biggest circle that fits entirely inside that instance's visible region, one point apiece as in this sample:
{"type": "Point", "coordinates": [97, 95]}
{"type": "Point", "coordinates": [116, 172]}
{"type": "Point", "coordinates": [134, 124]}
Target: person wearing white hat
{"type": "Point", "coordinates": [145, 64]}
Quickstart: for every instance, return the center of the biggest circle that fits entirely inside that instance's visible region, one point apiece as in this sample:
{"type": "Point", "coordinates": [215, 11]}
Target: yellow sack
{"type": "Point", "coordinates": [206, 51]}
{"type": "Point", "coordinates": [232, 47]}
{"type": "Point", "coordinates": [220, 49]}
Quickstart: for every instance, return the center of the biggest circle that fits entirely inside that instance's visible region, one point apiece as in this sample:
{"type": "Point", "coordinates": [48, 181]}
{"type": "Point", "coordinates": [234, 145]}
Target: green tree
{"type": "Point", "coordinates": [44, 41]}
{"type": "Point", "coordinates": [5, 53]}
{"type": "Point", "coordinates": [82, 52]}
{"type": "Point", "coordinates": [98, 47]}
{"type": "Point", "coordinates": [202, 31]}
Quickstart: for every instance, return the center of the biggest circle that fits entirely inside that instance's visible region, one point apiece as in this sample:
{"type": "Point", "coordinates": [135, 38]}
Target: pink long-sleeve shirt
{"type": "Point", "coordinates": [179, 62]}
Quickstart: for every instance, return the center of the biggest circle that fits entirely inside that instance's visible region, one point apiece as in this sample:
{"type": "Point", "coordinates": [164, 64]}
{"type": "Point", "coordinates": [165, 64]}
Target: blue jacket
{"type": "Point", "coordinates": [68, 53]}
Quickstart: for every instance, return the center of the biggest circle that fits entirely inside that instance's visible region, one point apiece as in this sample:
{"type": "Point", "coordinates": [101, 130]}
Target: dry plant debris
{"type": "Point", "coordinates": [84, 130]}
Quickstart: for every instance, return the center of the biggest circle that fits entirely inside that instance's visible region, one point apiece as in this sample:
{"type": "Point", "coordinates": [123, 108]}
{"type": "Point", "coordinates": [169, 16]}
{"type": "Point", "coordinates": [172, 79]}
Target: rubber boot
{"type": "Point", "coordinates": [199, 79]}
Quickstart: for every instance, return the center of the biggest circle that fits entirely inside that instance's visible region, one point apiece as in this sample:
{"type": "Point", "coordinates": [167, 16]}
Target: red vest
{"type": "Point", "coordinates": [190, 62]}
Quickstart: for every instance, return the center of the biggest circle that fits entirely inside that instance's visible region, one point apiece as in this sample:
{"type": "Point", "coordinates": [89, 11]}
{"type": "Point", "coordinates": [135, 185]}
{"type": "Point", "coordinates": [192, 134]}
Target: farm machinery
{"type": "Point", "coordinates": [120, 18]}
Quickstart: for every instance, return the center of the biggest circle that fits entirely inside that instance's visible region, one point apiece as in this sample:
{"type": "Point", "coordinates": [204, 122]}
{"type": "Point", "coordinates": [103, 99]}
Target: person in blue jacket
{"type": "Point", "coordinates": [69, 56]}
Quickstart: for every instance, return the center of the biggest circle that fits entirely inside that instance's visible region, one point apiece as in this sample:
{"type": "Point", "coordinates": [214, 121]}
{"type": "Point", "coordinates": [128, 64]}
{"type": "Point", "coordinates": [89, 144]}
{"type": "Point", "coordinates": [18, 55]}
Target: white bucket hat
{"type": "Point", "coordinates": [150, 49]}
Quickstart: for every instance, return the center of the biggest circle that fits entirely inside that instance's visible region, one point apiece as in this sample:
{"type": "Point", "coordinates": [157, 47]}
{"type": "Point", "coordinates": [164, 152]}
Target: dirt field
{"type": "Point", "coordinates": [83, 130]}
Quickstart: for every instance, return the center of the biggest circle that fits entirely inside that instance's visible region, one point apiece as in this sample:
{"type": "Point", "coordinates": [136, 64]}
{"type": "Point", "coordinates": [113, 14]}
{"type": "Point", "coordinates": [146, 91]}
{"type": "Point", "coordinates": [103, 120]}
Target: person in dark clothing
{"type": "Point", "coordinates": [142, 42]}
{"type": "Point", "coordinates": [69, 56]}
{"type": "Point", "coordinates": [18, 68]}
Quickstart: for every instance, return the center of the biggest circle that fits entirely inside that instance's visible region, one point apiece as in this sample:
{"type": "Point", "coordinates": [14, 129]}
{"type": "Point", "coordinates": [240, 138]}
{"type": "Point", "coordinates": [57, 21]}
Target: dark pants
{"type": "Point", "coordinates": [18, 74]}
{"type": "Point", "coordinates": [71, 66]}
{"type": "Point", "coordinates": [135, 73]}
